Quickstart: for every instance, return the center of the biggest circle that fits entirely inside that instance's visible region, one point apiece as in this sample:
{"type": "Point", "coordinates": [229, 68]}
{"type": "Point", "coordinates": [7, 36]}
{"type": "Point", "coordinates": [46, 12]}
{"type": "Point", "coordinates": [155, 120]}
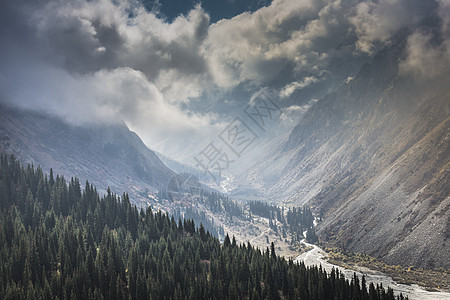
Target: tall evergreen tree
{"type": "Point", "coordinates": [58, 242]}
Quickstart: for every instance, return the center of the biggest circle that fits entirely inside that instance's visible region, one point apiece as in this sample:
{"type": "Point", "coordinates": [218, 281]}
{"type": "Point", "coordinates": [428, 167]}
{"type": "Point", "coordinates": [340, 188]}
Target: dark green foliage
{"type": "Point", "coordinates": [311, 235]}
{"type": "Point", "coordinates": [295, 221]}
{"type": "Point", "coordinates": [213, 201]}
{"type": "Point", "coordinates": [219, 203]}
{"type": "Point", "coordinates": [263, 209]}
{"type": "Point", "coordinates": [60, 242]}
{"type": "Point", "coordinates": [198, 216]}
{"type": "Point", "coordinates": [299, 219]}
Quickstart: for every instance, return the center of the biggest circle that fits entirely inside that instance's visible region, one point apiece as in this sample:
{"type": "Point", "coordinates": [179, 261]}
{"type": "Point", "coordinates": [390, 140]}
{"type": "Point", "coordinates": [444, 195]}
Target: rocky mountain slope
{"type": "Point", "coordinates": [106, 155]}
{"type": "Point", "coordinates": [374, 157]}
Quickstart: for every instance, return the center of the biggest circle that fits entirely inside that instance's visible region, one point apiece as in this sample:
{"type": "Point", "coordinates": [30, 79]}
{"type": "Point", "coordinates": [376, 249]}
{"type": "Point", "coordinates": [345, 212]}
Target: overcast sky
{"type": "Point", "coordinates": [177, 72]}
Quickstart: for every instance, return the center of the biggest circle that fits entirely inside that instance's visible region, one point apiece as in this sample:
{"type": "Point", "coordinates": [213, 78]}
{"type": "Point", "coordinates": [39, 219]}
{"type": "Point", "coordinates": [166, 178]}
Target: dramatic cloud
{"type": "Point", "coordinates": [99, 61]}
{"type": "Point", "coordinates": [287, 38]}
{"type": "Point", "coordinates": [428, 49]}
{"type": "Point", "coordinates": [291, 115]}
{"type": "Point", "coordinates": [425, 60]}
{"type": "Point", "coordinates": [378, 21]}
{"type": "Point", "coordinates": [104, 60]}
{"type": "Point", "coordinates": [291, 87]}
{"type": "Point", "coordinates": [89, 36]}
{"type": "Point", "coordinates": [105, 96]}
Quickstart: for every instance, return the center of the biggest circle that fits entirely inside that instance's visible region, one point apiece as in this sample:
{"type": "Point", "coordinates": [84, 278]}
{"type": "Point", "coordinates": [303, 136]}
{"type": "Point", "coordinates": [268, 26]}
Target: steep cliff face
{"type": "Point", "coordinates": [375, 157]}
{"type": "Point", "coordinates": [396, 205]}
{"type": "Point", "coordinates": [106, 155]}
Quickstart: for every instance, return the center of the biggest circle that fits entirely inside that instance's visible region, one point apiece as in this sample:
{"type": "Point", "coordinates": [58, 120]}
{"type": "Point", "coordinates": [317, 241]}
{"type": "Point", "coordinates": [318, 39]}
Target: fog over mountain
{"type": "Point", "coordinates": [178, 81]}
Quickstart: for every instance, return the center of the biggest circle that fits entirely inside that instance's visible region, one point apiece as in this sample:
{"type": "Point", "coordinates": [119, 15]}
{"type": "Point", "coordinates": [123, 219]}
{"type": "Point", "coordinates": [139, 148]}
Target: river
{"type": "Point", "coordinates": [316, 256]}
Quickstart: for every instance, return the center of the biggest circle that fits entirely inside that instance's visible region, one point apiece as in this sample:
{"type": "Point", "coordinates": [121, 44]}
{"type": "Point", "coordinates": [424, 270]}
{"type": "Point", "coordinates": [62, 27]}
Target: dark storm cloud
{"type": "Point", "coordinates": [92, 62]}
{"type": "Point", "coordinates": [107, 60]}
{"type": "Point", "coordinates": [310, 41]}
{"type": "Point", "coordinates": [89, 36]}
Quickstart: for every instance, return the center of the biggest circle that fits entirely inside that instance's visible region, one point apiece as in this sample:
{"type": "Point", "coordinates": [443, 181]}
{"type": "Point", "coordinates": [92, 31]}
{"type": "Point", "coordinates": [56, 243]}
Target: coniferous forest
{"type": "Point", "coordinates": [59, 241]}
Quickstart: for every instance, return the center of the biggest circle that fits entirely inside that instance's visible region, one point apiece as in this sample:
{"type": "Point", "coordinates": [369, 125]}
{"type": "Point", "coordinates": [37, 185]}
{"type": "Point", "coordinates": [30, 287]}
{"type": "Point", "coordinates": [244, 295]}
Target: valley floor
{"type": "Point", "coordinates": [316, 256]}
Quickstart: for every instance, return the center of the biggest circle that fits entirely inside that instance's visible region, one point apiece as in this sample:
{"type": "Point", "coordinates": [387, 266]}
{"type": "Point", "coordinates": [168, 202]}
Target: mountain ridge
{"type": "Point", "coordinates": [381, 138]}
{"type": "Point", "coordinates": [109, 155]}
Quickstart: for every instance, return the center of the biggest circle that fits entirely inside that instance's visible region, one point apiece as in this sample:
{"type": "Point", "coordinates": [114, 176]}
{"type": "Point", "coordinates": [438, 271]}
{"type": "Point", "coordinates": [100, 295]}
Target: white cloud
{"type": "Point", "coordinates": [92, 35]}
{"type": "Point", "coordinates": [291, 115]}
{"type": "Point", "coordinates": [257, 47]}
{"type": "Point", "coordinates": [423, 59]}
{"type": "Point", "coordinates": [105, 96]}
{"type": "Point", "coordinates": [428, 51]}
{"type": "Point", "coordinates": [291, 87]}
{"type": "Point", "coordinates": [108, 60]}
{"type": "Point", "coordinates": [103, 61]}
{"type": "Point", "coordinates": [377, 21]}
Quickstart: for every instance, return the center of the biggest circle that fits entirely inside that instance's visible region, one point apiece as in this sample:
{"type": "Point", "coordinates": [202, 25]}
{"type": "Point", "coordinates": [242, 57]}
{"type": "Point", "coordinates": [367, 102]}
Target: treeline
{"type": "Point", "coordinates": [202, 200]}
{"type": "Point", "coordinates": [299, 219]}
{"type": "Point", "coordinates": [264, 210]}
{"type": "Point", "coordinates": [293, 221]}
{"type": "Point", "coordinates": [219, 203]}
{"type": "Point", "coordinates": [60, 242]}
{"type": "Point", "coordinates": [186, 197]}
{"type": "Point", "coordinates": [199, 217]}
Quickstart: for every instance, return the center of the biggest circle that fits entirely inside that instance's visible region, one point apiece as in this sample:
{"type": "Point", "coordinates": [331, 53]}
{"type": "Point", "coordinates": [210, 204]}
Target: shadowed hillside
{"type": "Point", "coordinates": [109, 155]}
